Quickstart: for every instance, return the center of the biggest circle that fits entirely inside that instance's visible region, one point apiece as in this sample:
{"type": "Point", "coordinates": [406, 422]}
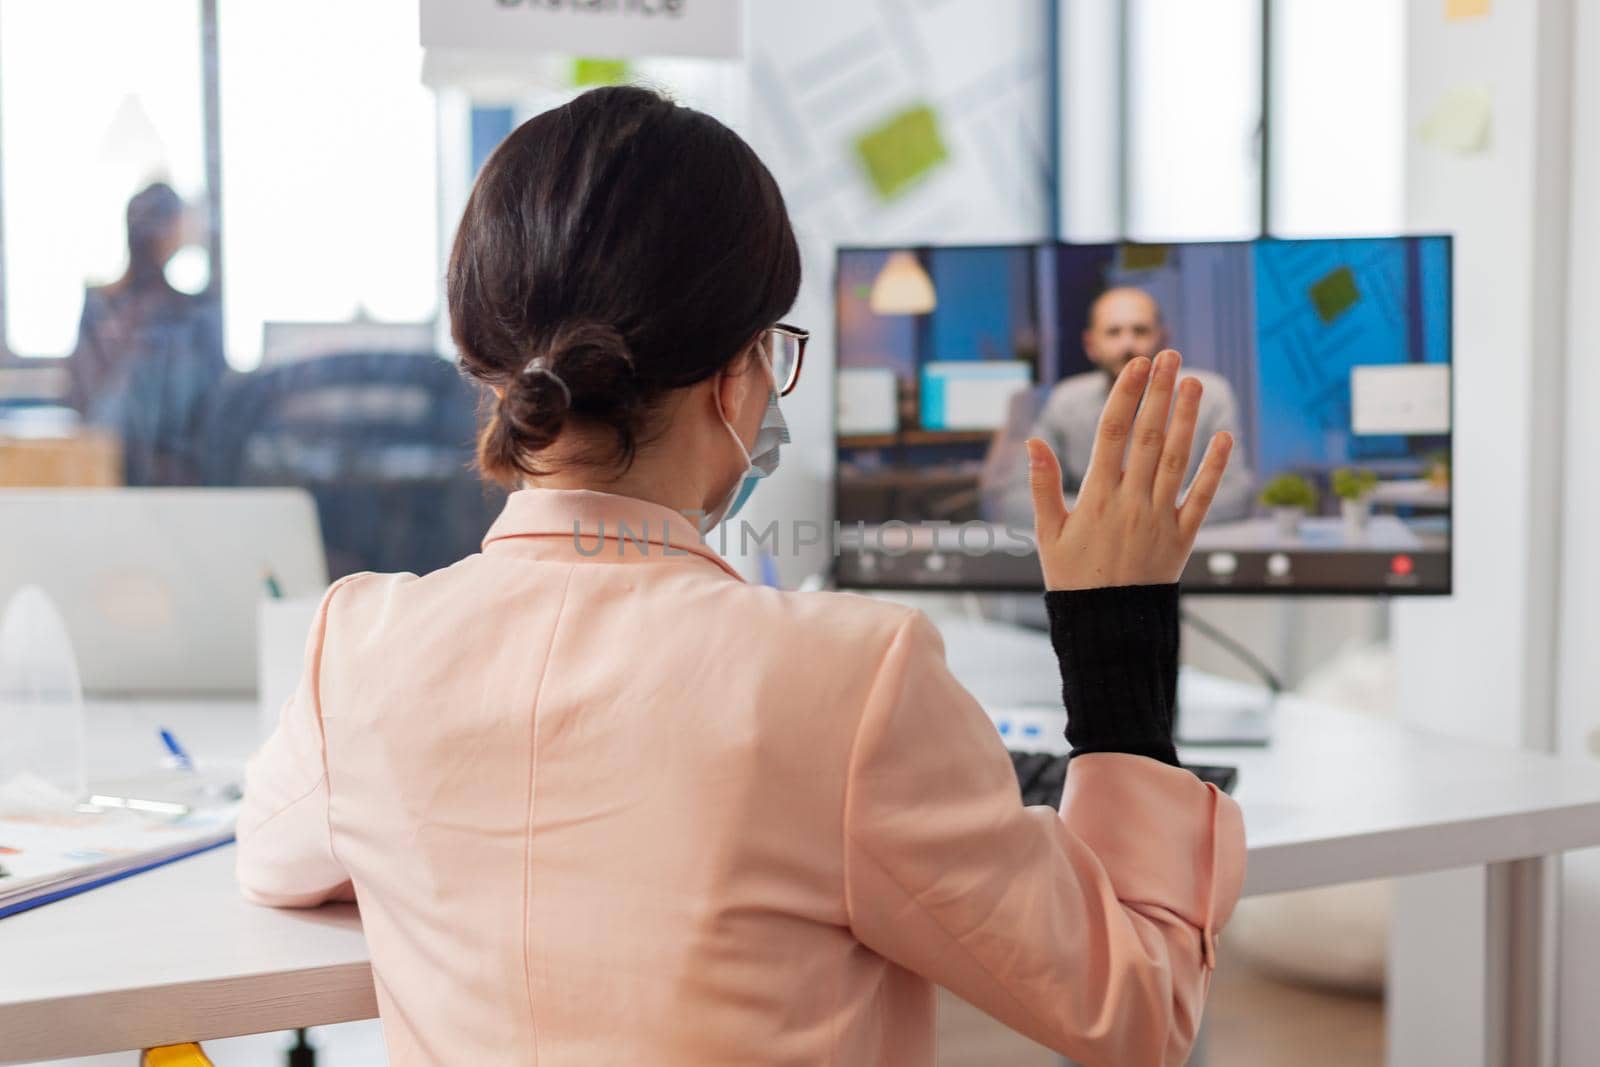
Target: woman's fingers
{"type": "Point", "coordinates": [1116, 422]}
{"type": "Point", "coordinates": [1044, 481]}
{"type": "Point", "coordinates": [1174, 462]}
{"type": "Point", "coordinates": [1150, 427]}
{"type": "Point", "coordinates": [1204, 487]}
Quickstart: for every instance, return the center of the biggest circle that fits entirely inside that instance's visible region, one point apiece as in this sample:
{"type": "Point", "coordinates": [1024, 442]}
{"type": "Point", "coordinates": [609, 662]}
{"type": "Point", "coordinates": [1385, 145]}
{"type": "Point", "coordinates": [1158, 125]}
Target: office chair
{"type": "Point", "coordinates": [382, 440]}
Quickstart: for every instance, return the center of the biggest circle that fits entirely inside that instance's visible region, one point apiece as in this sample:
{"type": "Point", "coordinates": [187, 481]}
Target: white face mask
{"type": "Point", "coordinates": [758, 463]}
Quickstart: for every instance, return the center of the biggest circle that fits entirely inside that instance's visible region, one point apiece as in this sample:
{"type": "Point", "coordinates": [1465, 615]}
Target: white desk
{"type": "Point", "coordinates": [1383, 533]}
{"type": "Point", "coordinates": [174, 951]}
{"type": "Point", "coordinates": [1412, 492]}
{"type": "Point", "coordinates": [175, 955]}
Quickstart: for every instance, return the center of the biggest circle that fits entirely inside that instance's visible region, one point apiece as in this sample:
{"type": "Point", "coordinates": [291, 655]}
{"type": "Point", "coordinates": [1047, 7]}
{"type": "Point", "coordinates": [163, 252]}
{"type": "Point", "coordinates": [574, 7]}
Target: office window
{"type": "Point", "coordinates": [98, 98]}
{"type": "Point", "coordinates": [329, 167]}
{"type": "Point", "coordinates": [1338, 117]}
{"type": "Point", "coordinates": [1089, 92]}
{"type": "Point", "coordinates": [1194, 89]}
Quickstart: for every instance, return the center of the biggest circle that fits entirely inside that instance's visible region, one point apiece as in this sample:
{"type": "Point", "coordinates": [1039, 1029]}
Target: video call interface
{"type": "Point", "coordinates": [1328, 360]}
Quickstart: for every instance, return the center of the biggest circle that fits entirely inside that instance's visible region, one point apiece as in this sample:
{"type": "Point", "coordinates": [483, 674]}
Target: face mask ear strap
{"type": "Point", "coordinates": [728, 425]}
{"type": "Point", "coordinates": [771, 385]}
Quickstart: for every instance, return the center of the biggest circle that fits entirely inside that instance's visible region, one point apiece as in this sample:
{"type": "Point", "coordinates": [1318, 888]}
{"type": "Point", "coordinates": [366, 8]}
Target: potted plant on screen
{"type": "Point", "coordinates": [1438, 469]}
{"type": "Point", "coordinates": [1353, 486]}
{"type": "Point", "coordinates": [1290, 497]}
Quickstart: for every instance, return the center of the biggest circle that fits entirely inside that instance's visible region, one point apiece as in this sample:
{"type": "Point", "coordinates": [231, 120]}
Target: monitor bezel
{"type": "Point", "coordinates": [1256, 590]}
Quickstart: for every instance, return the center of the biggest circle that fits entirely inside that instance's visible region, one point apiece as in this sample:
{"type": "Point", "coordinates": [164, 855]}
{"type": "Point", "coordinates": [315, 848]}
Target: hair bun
{"type": "Point", "coordinates": [584, 369]}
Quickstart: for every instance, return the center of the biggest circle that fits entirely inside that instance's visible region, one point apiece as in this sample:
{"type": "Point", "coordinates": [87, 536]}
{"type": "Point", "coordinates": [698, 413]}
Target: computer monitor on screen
{"type": "Point", "coordinates": [1329, 361]}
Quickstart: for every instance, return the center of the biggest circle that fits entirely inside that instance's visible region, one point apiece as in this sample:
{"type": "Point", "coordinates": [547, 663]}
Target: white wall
{"type": "Point", "coordinates": [1578, 697]}
{"type": "Point", "coordinates": [1480, 664]}
{"type": "Point", "coordinates": [1494, 203]}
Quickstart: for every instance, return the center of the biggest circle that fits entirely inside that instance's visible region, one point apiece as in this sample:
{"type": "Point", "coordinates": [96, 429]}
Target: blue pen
{"type": "Point", "coordinates": [769, 569]}
{"type": "Point", "coordinates": [176, 749]}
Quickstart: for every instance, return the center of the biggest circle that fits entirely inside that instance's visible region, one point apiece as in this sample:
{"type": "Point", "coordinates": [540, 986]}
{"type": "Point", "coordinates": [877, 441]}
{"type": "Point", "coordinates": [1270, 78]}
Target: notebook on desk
{"type": "Point", "coordinates": [47, 855]}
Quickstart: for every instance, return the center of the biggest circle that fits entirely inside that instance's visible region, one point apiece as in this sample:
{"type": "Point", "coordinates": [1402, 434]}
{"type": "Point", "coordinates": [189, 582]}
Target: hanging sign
{"type": "Point", "coordinates": [610, 28]}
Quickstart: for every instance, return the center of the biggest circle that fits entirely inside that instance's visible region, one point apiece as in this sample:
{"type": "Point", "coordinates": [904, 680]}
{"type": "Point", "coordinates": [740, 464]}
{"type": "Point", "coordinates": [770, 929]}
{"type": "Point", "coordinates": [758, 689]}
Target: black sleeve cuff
{"type": "Point", "coordinates": [1118, 653]}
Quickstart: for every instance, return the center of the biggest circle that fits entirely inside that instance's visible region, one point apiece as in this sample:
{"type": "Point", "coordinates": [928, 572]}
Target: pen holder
{"type": "Point", "coordinates": [41, 707]}
{"type": "Point", "coordinates": [282, 627]}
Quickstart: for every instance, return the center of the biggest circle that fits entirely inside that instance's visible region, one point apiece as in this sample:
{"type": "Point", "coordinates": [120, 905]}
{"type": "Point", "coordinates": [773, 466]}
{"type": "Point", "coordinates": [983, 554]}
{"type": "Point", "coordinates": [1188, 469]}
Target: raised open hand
{"type": "Point", "coordinates": [1127, 526]}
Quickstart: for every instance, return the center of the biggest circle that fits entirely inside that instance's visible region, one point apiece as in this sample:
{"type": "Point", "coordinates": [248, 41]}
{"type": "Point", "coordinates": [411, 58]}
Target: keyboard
{"type": "Point", "coordinates": [1042, 775]}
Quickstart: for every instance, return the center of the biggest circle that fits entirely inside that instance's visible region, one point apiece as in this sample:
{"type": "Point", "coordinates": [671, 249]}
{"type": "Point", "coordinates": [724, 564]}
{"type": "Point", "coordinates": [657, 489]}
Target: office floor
{"type": "Point", "coordinates": [1254, 1021]}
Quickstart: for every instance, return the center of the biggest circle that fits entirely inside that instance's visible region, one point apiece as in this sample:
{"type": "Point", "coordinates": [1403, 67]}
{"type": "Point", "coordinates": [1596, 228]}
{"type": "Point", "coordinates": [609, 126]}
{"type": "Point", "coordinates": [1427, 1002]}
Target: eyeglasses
{"type": "Point", "coordinates": [785, 349]}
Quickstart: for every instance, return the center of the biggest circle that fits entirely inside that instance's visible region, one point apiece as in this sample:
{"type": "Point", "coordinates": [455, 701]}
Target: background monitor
{"type": "Point", "coordinates": [1329, 360]}
{"type": "Point", "coordinates": [970, 394]}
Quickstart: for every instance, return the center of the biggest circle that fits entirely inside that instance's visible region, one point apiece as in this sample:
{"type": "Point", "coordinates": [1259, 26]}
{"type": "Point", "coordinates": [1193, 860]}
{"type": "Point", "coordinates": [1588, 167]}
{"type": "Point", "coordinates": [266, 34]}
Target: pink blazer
{"type": "Point", "coordinates": [601, 802]}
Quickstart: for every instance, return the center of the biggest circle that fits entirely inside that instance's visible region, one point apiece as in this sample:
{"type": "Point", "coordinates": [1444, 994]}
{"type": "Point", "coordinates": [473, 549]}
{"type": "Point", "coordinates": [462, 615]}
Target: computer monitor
{"type": "Point", "coordinates": [159, 588]}
{"type": "Point", "coordinates": [1329, 360]}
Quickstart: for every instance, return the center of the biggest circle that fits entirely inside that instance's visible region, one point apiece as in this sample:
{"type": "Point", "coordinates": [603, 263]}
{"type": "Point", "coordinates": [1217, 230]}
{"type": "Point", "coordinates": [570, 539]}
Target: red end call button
{"type": "Point", "coordinates": [1402, 566]}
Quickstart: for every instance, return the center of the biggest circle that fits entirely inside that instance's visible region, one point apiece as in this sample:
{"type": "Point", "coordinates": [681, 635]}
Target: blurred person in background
{"type": "Point", "coordinates": [148, 354]}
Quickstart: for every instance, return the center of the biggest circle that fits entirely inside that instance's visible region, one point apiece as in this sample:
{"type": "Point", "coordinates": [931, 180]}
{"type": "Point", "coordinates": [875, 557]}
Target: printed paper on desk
{"type": "Point", "coordinates": [48, 855]}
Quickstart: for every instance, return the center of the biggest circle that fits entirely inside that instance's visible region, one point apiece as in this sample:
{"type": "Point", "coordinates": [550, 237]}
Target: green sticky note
{"type": "Point", "coordinates": [1144, 257]}
{"type": "Point", "coordinates": [1335, 293]}
{"type": "Point", "coordinates": [1460, 121]}
{"type": "Point", "coordinates": [589, 71]}
{"type": "Point", "coordinates": [902, 150]}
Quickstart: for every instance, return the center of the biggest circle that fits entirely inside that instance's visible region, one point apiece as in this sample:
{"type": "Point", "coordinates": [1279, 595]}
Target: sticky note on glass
{"type": "Point", "coordinates": [901, 151]}
{"type": "Point", "coordinates": [1460, 121]}
{"type": "Point", "coordinates": [1334, 293]}
{"type": "Point", "coordinates": [1144, 257]}
{"type": "Point", "coordinates": [1465, 9]}
{"type": "Point", "coordinates": [587, 71]}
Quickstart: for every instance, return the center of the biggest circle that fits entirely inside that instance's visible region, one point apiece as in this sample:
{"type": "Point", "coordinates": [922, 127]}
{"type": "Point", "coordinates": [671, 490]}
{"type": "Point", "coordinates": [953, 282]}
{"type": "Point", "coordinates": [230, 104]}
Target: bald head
{"type": "Point", "coordinates": [1124, 323]}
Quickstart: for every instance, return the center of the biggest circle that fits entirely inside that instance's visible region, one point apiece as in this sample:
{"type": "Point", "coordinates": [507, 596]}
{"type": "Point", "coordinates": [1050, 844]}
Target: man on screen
{"type": "Point", "coordinates": [1125, 323]}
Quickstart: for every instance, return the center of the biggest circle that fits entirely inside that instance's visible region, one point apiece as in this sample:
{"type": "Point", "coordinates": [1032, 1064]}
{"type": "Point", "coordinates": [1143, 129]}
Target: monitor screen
{"type": "Point", "coordinates": [1328, 360]}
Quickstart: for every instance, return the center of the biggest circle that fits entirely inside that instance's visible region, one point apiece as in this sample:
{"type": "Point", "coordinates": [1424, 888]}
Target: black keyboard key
{"type": "Point", "coordinates": [1042, 775]}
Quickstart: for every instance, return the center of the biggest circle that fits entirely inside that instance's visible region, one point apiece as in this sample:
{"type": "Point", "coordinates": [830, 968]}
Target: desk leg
{"type": "Point", "coordinates": [1519, 1008]}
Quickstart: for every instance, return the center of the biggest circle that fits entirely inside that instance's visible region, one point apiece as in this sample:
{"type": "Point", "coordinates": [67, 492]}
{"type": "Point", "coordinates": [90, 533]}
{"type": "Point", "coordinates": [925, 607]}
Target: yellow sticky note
{"type": "Point", "coordinates": [1145, 257]}
{"type": "Point", "coordinates": [1466, 9]}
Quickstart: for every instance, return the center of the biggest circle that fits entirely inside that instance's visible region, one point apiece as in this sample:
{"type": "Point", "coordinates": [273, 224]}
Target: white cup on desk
{"type": "Point", "coordinates": [282, 627]}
